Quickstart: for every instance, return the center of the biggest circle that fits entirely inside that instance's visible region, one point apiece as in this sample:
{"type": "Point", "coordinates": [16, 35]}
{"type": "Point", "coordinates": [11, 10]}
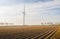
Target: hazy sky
{"type": "Point", "coordinates": [37, 11]}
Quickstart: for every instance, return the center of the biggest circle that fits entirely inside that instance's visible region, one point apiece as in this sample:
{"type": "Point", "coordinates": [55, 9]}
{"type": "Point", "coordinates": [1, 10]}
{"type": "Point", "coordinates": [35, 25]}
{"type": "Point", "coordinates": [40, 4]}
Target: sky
{"type": "Point", "coordinates": [36, 11]}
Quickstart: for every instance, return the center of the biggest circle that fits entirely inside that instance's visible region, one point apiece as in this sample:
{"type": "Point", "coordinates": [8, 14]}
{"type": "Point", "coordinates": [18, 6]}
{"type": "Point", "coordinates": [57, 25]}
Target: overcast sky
{"type": "Point", "coordinates": [37, 11]}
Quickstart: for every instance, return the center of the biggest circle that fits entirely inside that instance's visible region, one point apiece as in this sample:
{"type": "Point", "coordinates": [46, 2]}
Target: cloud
{"type": "Point", "coordinates": [45, 12]}
{"type": "Point", "coordinates": [36, 12]}
{"type": "Point", "coordinates": [11, 14]}
{"type": "Point", "coordinates": [13, 2]}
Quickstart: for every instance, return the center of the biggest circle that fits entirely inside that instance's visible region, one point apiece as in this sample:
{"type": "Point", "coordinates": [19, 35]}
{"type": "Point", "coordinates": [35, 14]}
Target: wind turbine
{"type": "Point", "coordinates": [24, 15]}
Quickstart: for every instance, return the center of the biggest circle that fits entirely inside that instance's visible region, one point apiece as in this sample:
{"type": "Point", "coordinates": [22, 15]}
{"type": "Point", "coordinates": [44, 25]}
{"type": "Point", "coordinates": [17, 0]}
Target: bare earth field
{"type": "Point", "coordinates": [30, 32]}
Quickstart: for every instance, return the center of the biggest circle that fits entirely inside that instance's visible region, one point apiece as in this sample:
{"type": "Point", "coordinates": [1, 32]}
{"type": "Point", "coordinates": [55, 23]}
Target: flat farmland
{"type": "Point", "coordinates": [29, 32]}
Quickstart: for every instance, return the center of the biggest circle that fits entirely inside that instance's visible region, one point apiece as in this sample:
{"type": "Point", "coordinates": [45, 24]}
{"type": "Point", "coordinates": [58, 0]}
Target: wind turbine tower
{"type": "Point", "coordinates": [24, 15]}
